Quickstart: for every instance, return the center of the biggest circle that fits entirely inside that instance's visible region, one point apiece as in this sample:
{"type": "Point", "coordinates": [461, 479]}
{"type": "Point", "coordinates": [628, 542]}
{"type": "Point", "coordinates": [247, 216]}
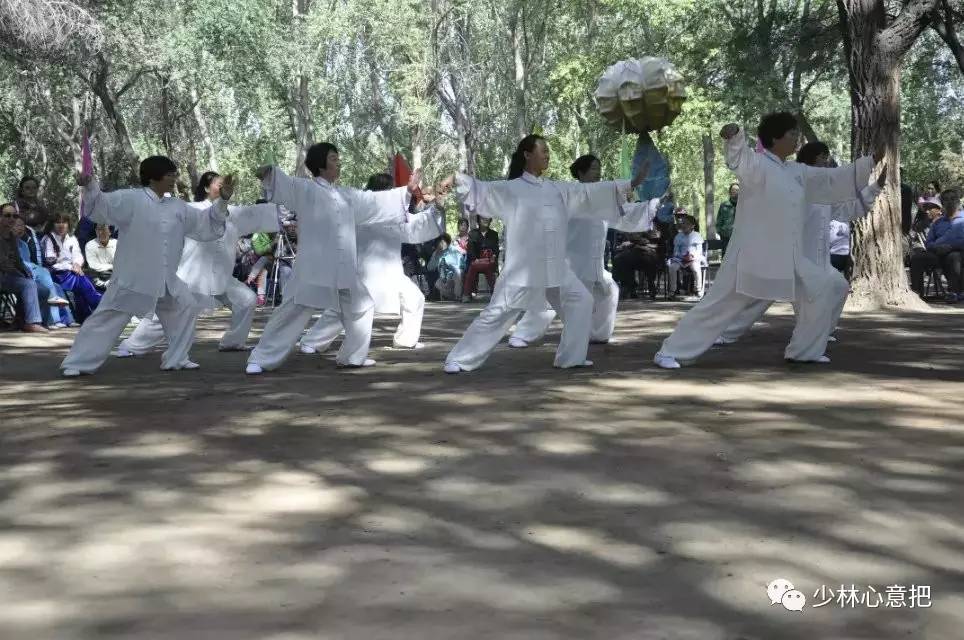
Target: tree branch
{"type": "Point", "coordinates": [943, 20]}
{"type": "Point", "coordinates": [899, 37]}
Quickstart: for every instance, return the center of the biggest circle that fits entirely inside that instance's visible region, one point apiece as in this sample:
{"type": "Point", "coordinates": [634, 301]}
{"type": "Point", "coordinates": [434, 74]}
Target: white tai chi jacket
{"type": "Point", "coordinates": [538, 212]}
{"type": "Point", "coordinates": [151, 233]}
{"type": "Point", "coordinates": [767, 244]}
{"type": "Point", "coordinates": [207, 267]}
{"type": "Point", "coordinates": [327, 252]}
{"type": "Point", "coordinates": [816, 228]}
{"type": "Point", "coordinates": [586, 238]}
{"type": "Point", "coordinates": [380, 257]}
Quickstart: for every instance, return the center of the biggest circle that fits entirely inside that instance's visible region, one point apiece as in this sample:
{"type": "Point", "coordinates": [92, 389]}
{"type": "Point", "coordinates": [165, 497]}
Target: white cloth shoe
{"type": "Point", "coordinates": [253, 369]}
{"type": "Point", "coordinates": [665, 362]}
{"type": "Point", "coordinates": [832, 339]}
{"type": "Point", "coordinates": [306, 349]}
{"type": "Point", "coordinates": [187, 365]}
{"type": "Point", "coordinates": [70, 373]}
{"type": "Point", "coordinates": [518, 343]}
{"type": "Point", "coordinates": [418, 345]}
{"type": "Point", "coordinates": [721, 341]}
{"type": "Point", "coordinates": [122, 353]}
{"type": "Point", "coordinates": [451, 367]}
{"type": "Point", "coordinates": [587, 363]}
{"type": "Point", "coordinates": [367, 363]}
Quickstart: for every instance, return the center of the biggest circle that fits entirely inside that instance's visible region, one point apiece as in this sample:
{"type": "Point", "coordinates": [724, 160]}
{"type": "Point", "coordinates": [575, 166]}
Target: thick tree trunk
{"type": "Point", "coordinates": [873, 48]}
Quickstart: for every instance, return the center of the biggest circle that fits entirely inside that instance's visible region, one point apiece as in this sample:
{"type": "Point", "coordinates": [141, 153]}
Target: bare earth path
{"type": "Point", "coordinates": [515, 503]}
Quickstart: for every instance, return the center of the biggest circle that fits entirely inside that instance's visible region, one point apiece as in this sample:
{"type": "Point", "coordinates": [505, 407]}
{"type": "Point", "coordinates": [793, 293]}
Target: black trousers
{"type": "Point", "coordinates": [923, 261]}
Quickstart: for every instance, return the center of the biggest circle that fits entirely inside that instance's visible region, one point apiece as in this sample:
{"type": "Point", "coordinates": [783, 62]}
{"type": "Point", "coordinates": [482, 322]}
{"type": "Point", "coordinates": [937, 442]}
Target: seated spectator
{"type": "Point", "coordinates": [931, 191]}
{"type": "Point", "coordinates": [687, 254]}
{"type": "Point", "coordinates": [100, 257]}
{"type": "Point", "coordinates": [637, 252]}
{"type": "Point", "coordinates": [839, 238]}
{"type": "Point", "coordinates": [444, 270]}
{"type": "Point", "coordinates": [482, 258]}
{"type": "Point", "coordinates": [28, 204]}
{"type": "Point", "coordinates": [941, 247]}
{"type": "Point", "coordinates": [462, 238]}
{"type": "Point", "coordinates": [15, 277]}
{"type": "Point", "coordinates": [54, 307]}
{"type": "Point", "coordinates": [63, 257]}
{"type": "Point", "coordinates": [265, 245]}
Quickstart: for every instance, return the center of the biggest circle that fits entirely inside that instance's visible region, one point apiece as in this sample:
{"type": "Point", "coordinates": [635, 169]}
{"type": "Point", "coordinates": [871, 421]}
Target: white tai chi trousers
{"type": "Point", "coordinates": [754, 312]}
{"type": "Point", "coordinates": [238, 297]}
{"type": "Point", "coordinates": [328, 326]}
{"type": "Point", "coordinates": [572, 301]}
{"type": "Point", "coordinates": [100, 331]}
{"type": "Point", "coordinates": [723, 305]}
{"type": "Point", "coordinates": [288, 322]}
{"type": "Point", "coordinates": [695, 269]}
{"type": "Point", "coordinates": [605, 294]}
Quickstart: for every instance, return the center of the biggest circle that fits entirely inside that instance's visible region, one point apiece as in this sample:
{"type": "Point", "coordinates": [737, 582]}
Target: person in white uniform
{"type": "Point", "coordinates": [765, 259]}
{"type": "Point", "coordinates": [326, 271]}
{"type": "Point", "coordinates": [381, 272]}
{"type": "Point", "coordinates": [207, 267]}
{"type": "Point", "coordinates": [585, 248]}
{"type": "Point", "coordinates": [536, 271]}
{"type": "Point", "coordinates": [819, 234]}
{"type": "Point", "coordinates": [153, 226]}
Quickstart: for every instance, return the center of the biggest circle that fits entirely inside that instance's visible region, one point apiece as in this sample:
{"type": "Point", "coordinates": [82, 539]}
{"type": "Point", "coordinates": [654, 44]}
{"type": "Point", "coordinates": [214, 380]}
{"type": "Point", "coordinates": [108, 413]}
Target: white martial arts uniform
{"type": "Point", "coordinates": [325, 272]}
{"type": "Point", "coordinates": [765, 258]}
{"type": "Point", "coordinates": [537, 213]}
{"type": "Point", "coordinates": [816, 247]}
{"type": "Point", "coordinates": [207, 268]}
{"type": "Point", "coordinates": [152, 232]}
{"type": "Point", "coordinates": [381, 272]}
{"type": "Point", "coordinates": [586, 248]}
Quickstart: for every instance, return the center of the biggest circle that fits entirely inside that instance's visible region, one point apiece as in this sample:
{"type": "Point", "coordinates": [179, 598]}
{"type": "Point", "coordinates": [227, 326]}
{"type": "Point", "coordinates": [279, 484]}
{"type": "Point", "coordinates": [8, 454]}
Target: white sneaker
{"type": "Point", "coordinates": [59, 325]}
{"type": "Point", "coordinates": [367, 363]}
{"type": "Point", "coordinates": [70, 373]}
{"type": "Point", "coordinates": [832, 339]}
{"type": "Point", "coordinates": [721, 341]}
{"type": "Point", "coordinates": [253, 369]}
{"type": "Point", "coordinates": [451, 367]}
{"type": "Point", "coordinates": [306, 349]}
{"type": "Point", "coordinates": [190, 366]}
{"type": "Point", "coordinates": [665, 362]}
{"type": "Point", "coordinates": [518, 343]}
{"type": "Point", "coordinates": [123, 353]}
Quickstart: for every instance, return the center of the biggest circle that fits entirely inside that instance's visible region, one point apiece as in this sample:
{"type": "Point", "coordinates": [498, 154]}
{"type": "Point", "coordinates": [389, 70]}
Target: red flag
{"type": "Point", "coordinates": [401, 171]}
{"type": "Point", "coordinates": [87, 158]}
{"type": "Point", "coordinates": [402, 174]}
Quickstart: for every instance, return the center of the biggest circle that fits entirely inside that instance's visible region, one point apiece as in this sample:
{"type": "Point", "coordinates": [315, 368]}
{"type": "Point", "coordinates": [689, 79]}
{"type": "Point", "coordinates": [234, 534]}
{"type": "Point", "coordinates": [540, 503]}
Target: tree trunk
{"type": "Point", "coordinates": [873, 50]}
{"type": "Point", "coordinates": [202, 127]}
{"type": "Point", "coordinates": [519, 71]}
{"type": "Point", "coordinates": [709, 157]}
{"type": "Point", "coordinates": [99, 84]}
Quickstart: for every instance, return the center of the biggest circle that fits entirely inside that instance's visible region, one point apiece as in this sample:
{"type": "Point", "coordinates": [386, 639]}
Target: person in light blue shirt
{"type": "Point", "coordinates": [55, 308]}
{"type": "Point", "coordinates": [944, 245]}
{"type": "Point", "coordinates": [688, 254]}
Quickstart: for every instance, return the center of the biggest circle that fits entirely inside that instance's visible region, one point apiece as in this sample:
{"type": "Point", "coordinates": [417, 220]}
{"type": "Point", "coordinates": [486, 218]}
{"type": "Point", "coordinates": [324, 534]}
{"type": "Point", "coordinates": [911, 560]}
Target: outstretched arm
{"type": "Point", "coordinates": [487, 199]}
{"type": "Point", "coordinates": [638, 216]}
{"type": "Point", "coordinates": [740, 158]}
{"type": "Point", "coordinates": [111, 208]}
{"type": "Point", "coordinates": [253, 218]}
{"type": "Point", "coordinates": [840, 184]}
{"type": "Point", "coordinates": [281, 188]}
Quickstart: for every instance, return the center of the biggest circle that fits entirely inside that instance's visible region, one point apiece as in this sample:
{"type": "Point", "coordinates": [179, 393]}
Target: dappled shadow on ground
{"type": "Point", "coordinates": [517, 502]}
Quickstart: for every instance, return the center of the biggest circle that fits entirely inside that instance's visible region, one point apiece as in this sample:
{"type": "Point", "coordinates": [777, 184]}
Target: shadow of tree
{"type": "Point", "coordinates": [519, 501]}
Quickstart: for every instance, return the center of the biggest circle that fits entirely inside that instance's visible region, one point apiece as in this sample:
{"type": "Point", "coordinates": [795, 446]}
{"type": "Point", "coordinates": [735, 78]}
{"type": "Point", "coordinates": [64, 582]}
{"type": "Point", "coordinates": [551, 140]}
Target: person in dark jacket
{"type": "Point", "coordinates": [483, 258]}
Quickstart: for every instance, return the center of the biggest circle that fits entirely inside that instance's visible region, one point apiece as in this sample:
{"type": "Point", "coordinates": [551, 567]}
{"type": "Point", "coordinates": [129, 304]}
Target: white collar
{"type": "Point", "coordinates": [772, 156]}
{"type": "Point", "coordinates": [321, 181]}
{"type": "Point", "coordinates": [531, 179]}
{"type": "Point", "coordinates": [153, 196]}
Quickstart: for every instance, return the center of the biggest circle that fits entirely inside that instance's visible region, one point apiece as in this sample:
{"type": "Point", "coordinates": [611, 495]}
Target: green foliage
{"type": "Point", "coordinates": [232, 84]}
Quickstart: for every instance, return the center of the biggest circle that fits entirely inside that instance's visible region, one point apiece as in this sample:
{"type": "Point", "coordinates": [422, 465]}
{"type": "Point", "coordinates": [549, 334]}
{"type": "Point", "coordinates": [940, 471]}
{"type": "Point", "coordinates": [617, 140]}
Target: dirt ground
{"type": "Point", "coordinates": [518, 502]}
